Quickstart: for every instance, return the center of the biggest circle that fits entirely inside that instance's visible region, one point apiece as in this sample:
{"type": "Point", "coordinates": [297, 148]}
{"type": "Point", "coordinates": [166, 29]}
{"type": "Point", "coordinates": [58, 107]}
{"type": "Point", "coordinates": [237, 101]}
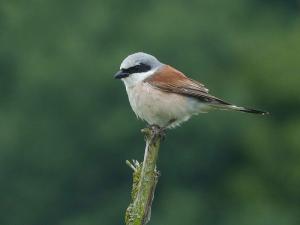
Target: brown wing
{"type": "Point", "coordinates": [171, 80]}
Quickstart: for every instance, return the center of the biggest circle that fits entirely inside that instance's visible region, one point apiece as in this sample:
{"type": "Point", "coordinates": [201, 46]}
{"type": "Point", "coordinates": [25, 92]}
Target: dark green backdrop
{"type": "Point", "coordinates": [66, 127]}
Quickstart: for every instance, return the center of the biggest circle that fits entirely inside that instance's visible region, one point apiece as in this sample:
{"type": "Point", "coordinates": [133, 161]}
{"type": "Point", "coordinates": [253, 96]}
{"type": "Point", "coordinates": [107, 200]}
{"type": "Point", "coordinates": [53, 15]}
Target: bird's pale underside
{"type": "Point", "coordinates": [165, 97]}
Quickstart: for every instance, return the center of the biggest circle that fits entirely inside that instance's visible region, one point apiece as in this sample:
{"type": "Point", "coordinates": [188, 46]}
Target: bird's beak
{"type": "Point", "coordinates": [121, 74]}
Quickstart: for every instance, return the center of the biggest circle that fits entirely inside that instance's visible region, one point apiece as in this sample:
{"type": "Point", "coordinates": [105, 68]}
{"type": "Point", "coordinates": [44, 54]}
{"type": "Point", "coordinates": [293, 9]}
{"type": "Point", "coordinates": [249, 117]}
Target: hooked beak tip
{"type": "Point", "coordinates": [121, 74]}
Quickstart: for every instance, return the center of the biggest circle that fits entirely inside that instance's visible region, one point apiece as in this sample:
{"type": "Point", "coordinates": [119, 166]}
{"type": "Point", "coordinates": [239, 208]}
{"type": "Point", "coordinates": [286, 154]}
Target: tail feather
{"type": "Point", "coordinates": [223, 105]}
{"type": "Point", "coordinates": [228, 106]}
{"type": "Point", "coordinates": [247, 110]}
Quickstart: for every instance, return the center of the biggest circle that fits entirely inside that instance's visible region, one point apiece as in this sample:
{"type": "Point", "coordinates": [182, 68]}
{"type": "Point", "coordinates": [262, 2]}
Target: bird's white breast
{"type": "Point", "coordinates": [158, 107]}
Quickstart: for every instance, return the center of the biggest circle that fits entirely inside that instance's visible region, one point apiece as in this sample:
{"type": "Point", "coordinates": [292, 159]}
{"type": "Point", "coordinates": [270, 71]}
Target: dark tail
{"type": "Point", "coordinates": [223, 105]}
{"type": "Point", "coordinates": [247, 110]}
{"type": "Point", "coordinates": [227, 106]}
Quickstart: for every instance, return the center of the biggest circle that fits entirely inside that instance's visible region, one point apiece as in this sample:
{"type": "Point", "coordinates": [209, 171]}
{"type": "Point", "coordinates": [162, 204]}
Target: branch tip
{"type": "Point", "coordinates": [130, 165]}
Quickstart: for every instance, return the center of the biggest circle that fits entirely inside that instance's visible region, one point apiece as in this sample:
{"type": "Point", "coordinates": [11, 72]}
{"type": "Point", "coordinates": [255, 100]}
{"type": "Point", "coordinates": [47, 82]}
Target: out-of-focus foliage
{"type": "Point", "coordinates": [66, 127]}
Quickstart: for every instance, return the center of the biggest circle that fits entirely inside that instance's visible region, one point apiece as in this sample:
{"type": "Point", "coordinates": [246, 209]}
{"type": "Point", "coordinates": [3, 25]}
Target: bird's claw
{"type": "Point", "coordinates": [158, 132]}
{"type": "Point", "coordinates": [155, 131]}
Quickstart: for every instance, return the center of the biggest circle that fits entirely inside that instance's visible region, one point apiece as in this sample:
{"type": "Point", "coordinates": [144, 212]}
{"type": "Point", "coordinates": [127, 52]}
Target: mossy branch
{"type": "Point", "coordinates": [145, 177]}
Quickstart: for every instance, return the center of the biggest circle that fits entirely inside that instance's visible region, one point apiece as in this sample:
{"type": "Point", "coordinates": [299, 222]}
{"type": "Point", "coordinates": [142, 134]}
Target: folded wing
{"type": "Point", "coordinates": [171, 80]}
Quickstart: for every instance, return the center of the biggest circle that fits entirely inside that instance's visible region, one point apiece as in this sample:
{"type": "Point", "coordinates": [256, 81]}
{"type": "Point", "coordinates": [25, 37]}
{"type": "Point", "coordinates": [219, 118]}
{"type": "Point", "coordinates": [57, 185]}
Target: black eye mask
{"type": "Point", "coordinates": [137, 69]}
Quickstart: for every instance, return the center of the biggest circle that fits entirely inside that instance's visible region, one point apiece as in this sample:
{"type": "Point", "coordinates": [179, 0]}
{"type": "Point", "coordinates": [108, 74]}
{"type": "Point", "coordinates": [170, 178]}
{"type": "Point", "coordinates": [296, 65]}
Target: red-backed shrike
{"type": "Point", "coordinates": [163, 96]}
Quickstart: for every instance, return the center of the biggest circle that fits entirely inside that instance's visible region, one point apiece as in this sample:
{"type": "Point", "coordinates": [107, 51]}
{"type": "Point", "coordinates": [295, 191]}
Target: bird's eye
{"type": "Point", "coordinates": [140, 68]}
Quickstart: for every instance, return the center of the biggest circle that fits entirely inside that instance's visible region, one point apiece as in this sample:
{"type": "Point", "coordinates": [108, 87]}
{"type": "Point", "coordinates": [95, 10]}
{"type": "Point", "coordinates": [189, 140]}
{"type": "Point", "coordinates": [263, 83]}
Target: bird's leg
{"type": "Point", "coordinates": [160, 131]}
{"type": "Point", "coordinates": [156, 131]}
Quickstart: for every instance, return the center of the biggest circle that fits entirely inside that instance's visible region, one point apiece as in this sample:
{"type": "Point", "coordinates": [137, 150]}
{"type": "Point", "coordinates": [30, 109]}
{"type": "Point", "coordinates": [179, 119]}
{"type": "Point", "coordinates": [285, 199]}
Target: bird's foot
{"type": "Point", "coordinates": [155, 131]}
{"type": "Point", "coordinates": [158, 132]}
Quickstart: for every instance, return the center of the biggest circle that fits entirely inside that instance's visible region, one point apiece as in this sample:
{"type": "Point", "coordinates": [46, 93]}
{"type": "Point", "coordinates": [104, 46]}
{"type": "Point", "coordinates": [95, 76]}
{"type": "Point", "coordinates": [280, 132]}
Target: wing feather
{"type": "Point", "coordinates": [168, 79]}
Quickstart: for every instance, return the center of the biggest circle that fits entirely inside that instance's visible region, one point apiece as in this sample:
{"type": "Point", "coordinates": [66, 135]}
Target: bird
{"type": "Point", "coordinates": [163, 96]}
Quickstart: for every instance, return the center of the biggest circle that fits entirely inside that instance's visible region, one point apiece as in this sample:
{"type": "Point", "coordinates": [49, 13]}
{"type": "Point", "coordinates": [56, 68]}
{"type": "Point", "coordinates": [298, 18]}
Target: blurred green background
{"type": "Point", "coordinates": [66, 127]}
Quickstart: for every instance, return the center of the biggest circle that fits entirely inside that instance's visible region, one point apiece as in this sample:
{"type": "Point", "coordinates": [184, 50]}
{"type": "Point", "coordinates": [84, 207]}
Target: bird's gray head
{"type": "Point", "coordinates": [137, 67]}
